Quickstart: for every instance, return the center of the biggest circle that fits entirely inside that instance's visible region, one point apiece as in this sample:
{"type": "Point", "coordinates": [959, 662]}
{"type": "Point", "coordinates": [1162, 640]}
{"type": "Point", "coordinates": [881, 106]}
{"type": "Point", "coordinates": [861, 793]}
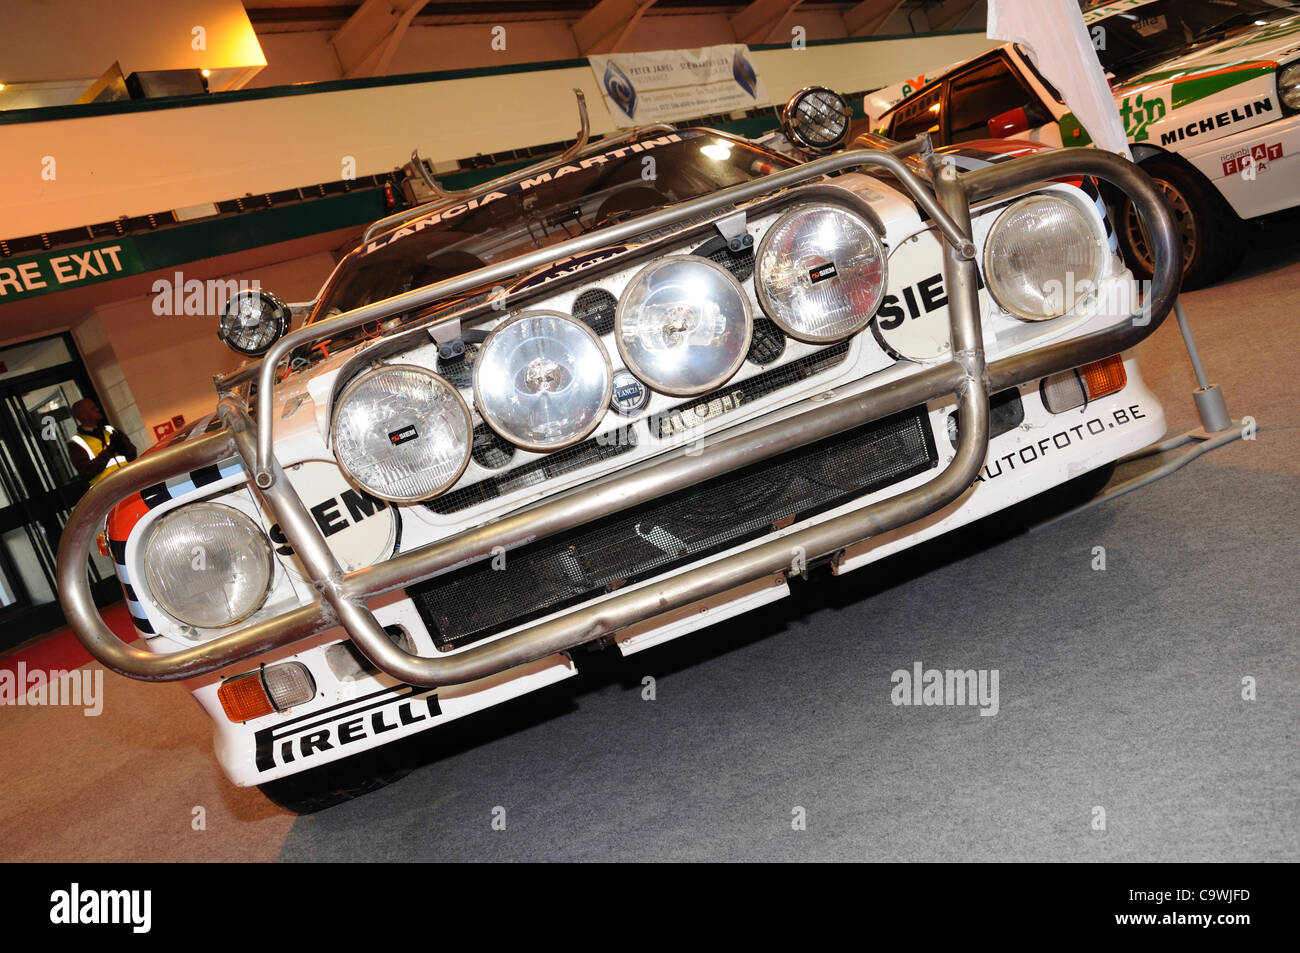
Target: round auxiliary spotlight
{"type": "Point", "coordinates": [816, 119]}
{"type": "Point", "coordinates": [1040, 251]}
{"type": "Point", "coordinates": [821, 273]}
{"type": "Point", "coordinates": [231, 581]}
{"type": "Point", "coordinates": [252, 321]}
{"type": "Point", "coordinates": [542, 380]}
{"type": "Point", "coordinates": [683, 325]}
{"type": "Point", "coordinates": [402, 433]}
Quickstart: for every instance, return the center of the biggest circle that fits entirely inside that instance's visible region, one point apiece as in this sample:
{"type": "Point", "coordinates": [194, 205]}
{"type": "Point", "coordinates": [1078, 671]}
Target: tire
{"type": "Point", "coordinates": [331, 784]}
{"type": "Point", "coordinates": [1214, 238]}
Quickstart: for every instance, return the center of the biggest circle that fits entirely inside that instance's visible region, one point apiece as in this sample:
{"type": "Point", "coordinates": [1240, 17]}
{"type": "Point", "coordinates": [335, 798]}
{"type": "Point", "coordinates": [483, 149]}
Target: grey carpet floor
{"type": "Point", "coordinates": [1119, 690]}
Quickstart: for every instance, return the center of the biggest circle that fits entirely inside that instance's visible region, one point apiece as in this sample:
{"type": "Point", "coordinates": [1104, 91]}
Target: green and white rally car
{"type": "Point", "coordinates": [1209, 93]}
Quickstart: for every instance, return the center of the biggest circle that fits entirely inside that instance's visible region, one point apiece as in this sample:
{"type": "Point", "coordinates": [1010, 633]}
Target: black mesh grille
{"type": "Point", "coordinates": [595, 308]}
{"type": "Point", "coordinates": [490, 449]}
{"type": "Point", "coordinates": [767, 344]}
{"type": "Point", "coordinates": [709, 407]}
{"type": "Point", "coordinates": [459, 370]}
{"type": "Point", "coordinates": [598, 448]}
{"type": "Point", "coordinates": [477, 601]}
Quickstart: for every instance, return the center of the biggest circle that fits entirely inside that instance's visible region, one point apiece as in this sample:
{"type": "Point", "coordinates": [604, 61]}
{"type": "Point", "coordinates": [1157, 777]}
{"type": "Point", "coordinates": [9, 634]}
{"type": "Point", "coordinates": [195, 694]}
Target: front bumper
{"type": "Point", "coordinates": [350, 715]}
{"type": "Point", "coordinates": [345, 596]}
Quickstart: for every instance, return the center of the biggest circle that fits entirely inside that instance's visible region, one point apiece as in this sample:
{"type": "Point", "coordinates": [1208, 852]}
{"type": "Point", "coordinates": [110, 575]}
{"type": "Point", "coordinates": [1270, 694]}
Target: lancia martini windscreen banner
{"type": "Point", "coordinates": [667, 85]}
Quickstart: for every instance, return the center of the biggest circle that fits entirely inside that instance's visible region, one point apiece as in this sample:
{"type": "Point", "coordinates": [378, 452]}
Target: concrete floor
{"type": "Point", "coordinates": [1119, 690]}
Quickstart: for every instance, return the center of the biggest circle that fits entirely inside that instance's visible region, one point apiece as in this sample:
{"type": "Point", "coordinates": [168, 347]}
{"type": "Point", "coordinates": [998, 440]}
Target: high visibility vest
{"type": "Point", "coordinates": [93, 445]}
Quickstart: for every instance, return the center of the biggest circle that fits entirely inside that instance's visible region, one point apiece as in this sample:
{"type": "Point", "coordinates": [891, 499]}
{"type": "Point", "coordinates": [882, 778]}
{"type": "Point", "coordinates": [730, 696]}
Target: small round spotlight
{"type": "Point", "coordinates": [252, 321]}
{"type": "Point", "coordinates": [816, 119]}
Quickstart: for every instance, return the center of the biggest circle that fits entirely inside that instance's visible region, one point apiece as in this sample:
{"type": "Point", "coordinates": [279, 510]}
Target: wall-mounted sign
{"type": "Point", "coordinates": [169, 427]}
{"type": "Point", "coordinates": [678, 84]}
{"type": "Point", "coordinates": [26, 275]}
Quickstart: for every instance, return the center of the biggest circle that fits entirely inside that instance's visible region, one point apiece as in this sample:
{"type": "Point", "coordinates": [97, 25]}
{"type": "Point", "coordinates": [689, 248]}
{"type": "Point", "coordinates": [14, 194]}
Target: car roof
{"type": "Point", "coordinates": [997, 50]}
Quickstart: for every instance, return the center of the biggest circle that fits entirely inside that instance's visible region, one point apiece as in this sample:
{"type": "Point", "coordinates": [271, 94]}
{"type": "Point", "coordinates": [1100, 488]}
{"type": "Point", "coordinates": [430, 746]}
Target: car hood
{"type": "Point", "coordinates": [1215, 67]}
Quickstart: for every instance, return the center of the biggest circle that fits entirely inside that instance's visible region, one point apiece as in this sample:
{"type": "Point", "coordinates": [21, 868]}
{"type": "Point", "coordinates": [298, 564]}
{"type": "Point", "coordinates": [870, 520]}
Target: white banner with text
{"type": "Point", "coordinates": [668, 85]}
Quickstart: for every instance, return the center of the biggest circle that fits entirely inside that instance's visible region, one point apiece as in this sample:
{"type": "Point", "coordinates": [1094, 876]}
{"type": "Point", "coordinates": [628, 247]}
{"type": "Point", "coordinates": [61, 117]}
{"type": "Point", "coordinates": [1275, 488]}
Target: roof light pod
{"type": "Point", "coordinates": [816, 119]}
{"type": "Point", "coordinates": [252, 321]}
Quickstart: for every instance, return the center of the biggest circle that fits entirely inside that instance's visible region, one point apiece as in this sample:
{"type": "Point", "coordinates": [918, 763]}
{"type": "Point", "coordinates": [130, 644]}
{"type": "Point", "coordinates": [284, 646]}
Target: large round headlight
{"type": "Point", "coordinates": [821, 274]}
{"type": "Point", "coordinates": [402, 433]}
{"type": "Point", "coordinates": [683, 325]}
{"type": "Point", "coordinates": [208, 565]}
{"type": "Point", "coordinates": [1288, 86]}
{"type": "Point", "coordinates": [1041, 257]}
{"type": "Point", "coordinates": [542, 380]}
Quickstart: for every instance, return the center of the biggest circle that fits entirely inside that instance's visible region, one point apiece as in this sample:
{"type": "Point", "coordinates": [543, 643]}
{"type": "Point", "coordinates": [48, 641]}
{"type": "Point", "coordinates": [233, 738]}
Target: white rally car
{"type": "Point", "coordinates": [581, 408]}
{"type": "Point", "coordinates": [1209, 92]}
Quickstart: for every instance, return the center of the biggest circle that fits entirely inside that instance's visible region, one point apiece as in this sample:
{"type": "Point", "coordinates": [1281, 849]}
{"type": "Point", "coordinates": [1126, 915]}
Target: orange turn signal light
{"type": "Point", "coordinates": [1104, 377]}
{"type": "Point", "coordinates": [1082, 385]}
{"type": "Point", "coordinates": [244, 697]}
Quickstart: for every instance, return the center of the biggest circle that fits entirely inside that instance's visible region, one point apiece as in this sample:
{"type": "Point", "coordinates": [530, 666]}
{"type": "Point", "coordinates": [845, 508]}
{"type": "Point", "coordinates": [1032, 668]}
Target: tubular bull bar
{"type": "Point", "coordinates": [343, 596]}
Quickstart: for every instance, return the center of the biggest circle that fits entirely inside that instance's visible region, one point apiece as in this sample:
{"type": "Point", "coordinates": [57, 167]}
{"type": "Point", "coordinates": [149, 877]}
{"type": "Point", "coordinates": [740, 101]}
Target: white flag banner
{"type": "Point", "coordinates": [1054, 33]}
{"type": "Point", "coordinates": [668, 85]}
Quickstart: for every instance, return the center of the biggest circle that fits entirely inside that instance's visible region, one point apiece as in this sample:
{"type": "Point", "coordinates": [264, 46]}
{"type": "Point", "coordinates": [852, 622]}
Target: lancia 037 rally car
{"type": "Point", "coordinates": [603, 402]}
{"type": "Point", "coordinates": [1209, 92]}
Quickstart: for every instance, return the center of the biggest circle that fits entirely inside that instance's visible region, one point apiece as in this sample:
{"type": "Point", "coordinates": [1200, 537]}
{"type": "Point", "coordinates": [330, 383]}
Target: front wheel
{"type": "Point", "coordinates": [1213, 236]}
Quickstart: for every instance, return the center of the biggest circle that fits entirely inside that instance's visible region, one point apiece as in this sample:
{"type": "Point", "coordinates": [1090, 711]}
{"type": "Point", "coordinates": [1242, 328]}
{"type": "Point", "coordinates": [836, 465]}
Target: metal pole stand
{"type": "Point", "coordinates": [1217, 429]}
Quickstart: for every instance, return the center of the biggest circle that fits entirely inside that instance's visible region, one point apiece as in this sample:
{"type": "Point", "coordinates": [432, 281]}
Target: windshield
{"type": "Point", "coordinates": [555, 205]}
{"type": "Point", "coordinates": [1132, 37]}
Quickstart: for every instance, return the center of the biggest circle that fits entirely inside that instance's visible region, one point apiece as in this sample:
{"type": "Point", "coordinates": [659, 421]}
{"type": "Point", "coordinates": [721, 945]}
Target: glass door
{"type": "Point", "coordinates": [38, 484]}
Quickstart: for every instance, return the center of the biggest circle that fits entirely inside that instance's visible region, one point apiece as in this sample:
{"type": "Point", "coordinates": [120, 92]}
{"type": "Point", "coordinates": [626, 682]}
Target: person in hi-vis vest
{"type": "Point", "coordinates": [96, 448]}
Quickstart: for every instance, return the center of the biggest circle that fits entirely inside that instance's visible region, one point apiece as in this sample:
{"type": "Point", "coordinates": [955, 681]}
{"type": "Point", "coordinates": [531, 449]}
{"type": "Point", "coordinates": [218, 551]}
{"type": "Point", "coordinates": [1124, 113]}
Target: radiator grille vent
{"type": "Point", "coordinates": [598, 448]}
{"type": "Point", "coordinates": [491, 450]}
{"type": "Point", "coordinates": [739, 263]}
{"type": "Point", "coordinates": [709, 407]}
{"type": "Point", "coordinates": [645, 541]}
{"type": "Point", "coordinates": [768, 343]}
{"type": "Point", "coordinates": [459, 370]}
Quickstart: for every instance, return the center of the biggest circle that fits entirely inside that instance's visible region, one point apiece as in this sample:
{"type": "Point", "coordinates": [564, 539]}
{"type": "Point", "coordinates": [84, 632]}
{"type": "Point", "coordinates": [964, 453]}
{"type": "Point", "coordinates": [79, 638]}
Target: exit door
{"type": "Point", "coordinates": [39, 383]}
